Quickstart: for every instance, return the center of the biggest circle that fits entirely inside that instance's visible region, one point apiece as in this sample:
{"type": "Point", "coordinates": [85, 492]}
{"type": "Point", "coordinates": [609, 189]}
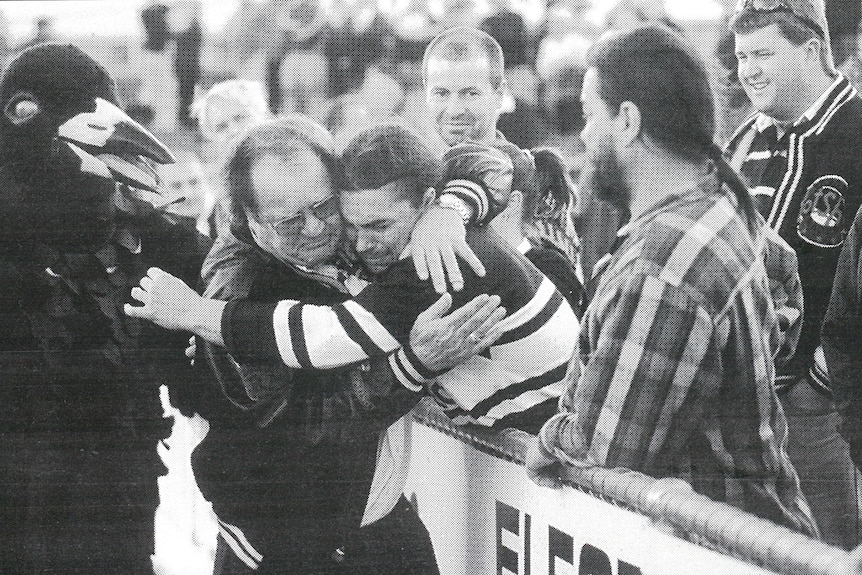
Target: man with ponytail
{"type": "Point", "coordinates": [800, 156]}
{"type": "Point", "coordinates": [675, 376]}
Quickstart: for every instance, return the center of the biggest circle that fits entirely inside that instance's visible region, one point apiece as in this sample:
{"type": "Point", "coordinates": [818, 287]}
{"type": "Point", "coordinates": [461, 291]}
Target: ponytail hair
{"type": "Point", "coordinates": [556, 191]}
{"type": "Point", "coordinates": [657, 71]}
{"type": "Point", "coordinates": [733, 180]}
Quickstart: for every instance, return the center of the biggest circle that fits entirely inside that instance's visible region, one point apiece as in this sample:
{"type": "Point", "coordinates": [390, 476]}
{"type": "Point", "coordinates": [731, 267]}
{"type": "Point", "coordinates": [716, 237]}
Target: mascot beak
{"type": "Point", "coordinates": [112, 145]}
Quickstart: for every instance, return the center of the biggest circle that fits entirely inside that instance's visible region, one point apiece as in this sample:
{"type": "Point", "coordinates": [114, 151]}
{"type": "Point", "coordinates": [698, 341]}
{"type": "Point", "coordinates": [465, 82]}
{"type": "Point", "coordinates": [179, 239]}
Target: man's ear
{"type": "Point", "coordinates": [813, 49]}
{"type": "Point", "coordinates": [628, 123]}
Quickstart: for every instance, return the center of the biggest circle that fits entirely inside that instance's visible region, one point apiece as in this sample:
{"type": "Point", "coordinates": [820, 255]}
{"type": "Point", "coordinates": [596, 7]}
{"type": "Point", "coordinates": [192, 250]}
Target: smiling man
{"type": "Point", "coordinates": [799, 153]}
{"type": "Point", "coordinates": [463, 75]}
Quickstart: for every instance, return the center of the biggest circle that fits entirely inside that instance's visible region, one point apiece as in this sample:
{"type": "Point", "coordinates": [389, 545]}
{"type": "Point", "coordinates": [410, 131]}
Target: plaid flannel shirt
{"type": "Point", "coordinates": [676, 361]}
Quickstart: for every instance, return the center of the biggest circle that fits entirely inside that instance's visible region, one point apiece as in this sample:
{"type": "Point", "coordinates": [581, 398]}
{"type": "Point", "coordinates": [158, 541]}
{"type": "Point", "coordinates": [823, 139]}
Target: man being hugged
{"type": "Point", "coordinates": [391, 176]}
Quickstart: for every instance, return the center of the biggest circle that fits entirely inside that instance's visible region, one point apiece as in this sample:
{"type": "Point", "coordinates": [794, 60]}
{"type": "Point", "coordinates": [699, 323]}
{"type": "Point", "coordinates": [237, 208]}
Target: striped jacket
{"type": "Point", "coordinates": [515, 383]}
{"type": "Point", "coordinates": [676, 375]}
{"type": "Point", "coordinates": [808, 186]}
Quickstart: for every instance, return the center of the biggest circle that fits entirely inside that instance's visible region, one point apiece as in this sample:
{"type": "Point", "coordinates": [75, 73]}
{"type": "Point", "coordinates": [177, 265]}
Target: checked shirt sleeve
{"type": "Point", "coordinates": [645, 344]}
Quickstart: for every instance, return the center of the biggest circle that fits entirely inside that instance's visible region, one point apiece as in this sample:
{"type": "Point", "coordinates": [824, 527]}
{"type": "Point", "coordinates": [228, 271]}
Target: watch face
{"type": "Point", "coordinates": [821, 219]}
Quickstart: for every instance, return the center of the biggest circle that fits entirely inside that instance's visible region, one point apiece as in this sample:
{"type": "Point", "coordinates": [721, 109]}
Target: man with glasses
{"type": "Point", "coordinates": [799, 154]}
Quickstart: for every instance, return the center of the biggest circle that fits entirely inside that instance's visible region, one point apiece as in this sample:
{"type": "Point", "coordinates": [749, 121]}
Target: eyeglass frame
{"type": "Point", "coordinates": [292, 224]}
{"type": "Point", "coordinates": [777, 6]}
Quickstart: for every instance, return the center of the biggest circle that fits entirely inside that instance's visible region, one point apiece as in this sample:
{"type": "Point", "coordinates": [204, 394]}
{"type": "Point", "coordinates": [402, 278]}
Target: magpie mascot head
{"type": "Point", "coordinates": [65, 145]}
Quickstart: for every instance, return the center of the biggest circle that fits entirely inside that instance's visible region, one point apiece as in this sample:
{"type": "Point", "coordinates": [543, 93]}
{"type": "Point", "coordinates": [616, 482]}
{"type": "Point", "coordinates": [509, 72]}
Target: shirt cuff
{"type": "Point", "coordinates": [473, 194]}
{"type": "Point", "coordinates": [248, 331]}
{"type": "Point", "coordinates": [409, 371]}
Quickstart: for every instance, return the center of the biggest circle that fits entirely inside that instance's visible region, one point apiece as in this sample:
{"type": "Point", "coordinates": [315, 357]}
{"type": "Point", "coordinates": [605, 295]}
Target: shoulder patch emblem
{"type": "Point", "coordinates": [821, 220]}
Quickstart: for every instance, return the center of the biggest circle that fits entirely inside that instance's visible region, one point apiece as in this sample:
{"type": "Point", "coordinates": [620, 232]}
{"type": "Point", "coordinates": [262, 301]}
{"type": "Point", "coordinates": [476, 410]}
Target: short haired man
{"type": "Point", "coordinates": [799, 154]}
{"type": "Point", "coordinates": [517, 383]}
{"type": "Point", "coordinates": [463, 76]}
{"type": "Point", "coordinates": [676, 375]}
{"type": "Point", "coordinates": [462, 71]}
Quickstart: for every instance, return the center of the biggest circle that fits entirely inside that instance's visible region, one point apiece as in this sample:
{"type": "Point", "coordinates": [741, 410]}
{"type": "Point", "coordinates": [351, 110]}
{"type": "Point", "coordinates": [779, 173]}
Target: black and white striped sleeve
{"type": "Point", "coordinates": [303, 335]}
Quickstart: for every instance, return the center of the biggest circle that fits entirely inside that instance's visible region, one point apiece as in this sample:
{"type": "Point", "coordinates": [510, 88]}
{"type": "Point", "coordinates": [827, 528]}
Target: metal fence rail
{"type": "Point", "coordinates": [673, 505]}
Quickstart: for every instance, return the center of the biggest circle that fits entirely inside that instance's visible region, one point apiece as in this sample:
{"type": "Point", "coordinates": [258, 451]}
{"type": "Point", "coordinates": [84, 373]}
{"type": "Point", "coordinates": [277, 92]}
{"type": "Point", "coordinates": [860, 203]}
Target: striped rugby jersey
{"type": "Point", "coordinates": [522, 373]}
{"type": "Point", "coordinates": [807, 183]}
{"type": "Point", "coordinates": [676, 376]}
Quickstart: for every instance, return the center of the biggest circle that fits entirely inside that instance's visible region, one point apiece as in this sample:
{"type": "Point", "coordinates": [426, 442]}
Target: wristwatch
{"type": "Point", "coordinates": [454, 202]}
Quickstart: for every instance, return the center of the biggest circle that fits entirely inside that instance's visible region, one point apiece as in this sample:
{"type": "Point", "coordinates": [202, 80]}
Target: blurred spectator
{"type": "Point", "coordinates": [628, 14]}
{"type": "Point", "coordinates": [242, 41]}
{"type": "Point", "coordinates": [843, 17]}
{"type": "Point", "coordinates": [379, 99]}
{"type": "Point", "coordinates": [521, 119]}
{"type": "Point", "coordinates": [297, 73]}
{"type": "Point", "coordinates": [44, 32]}
{"type": "Point", "coordinates": [362, 39]}
{"type": "Point", "coordinates": [224, 113]}
{"type": "Point", "coordinates": [186, 196]}
{"type": "Point", "coordinates": [561, 62]}
{"type": "Point", "coordinates": [507, 27]}
{"type": "Point", "coordinates": [156, 94]}
{"type": "Point", "coordinates": [227, 109]}
{"type": "Point", "coordinates": [413, 27]}
{"type": "Point", "coordinates": [459, 13]}
{"type": "Point", "coordinates": [186, 23]}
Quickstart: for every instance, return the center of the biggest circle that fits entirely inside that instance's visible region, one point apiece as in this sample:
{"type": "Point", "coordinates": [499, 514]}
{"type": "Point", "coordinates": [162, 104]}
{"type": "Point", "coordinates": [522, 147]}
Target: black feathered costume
{"type": "Point", "coordinates": [78, 431]}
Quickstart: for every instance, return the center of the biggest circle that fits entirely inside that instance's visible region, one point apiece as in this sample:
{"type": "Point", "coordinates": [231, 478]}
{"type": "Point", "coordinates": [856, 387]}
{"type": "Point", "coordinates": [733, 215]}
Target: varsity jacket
{"type": "Point", "coordinates": [807, 184]}
{"type": "Point", "coordinates": [515, 383]}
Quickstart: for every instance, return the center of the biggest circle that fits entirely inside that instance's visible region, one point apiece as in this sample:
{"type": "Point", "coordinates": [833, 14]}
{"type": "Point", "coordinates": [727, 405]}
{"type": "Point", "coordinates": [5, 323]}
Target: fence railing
{"type": "Point", "coordinates": [672, 506]}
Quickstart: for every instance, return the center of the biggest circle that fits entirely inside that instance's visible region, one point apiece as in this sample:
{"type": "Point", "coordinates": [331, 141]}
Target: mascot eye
{"type": "Point", "coordinates": [22, 108]}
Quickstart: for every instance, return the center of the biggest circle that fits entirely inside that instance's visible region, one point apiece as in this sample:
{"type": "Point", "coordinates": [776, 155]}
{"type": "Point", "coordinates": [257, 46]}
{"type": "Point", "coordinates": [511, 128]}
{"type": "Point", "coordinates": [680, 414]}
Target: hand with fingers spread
{"type": "Point", "coordinates": [442, 341]}
{"type": "Point", "coordinates": [438, 239]}
{"type": "Point", "coordinates": [477, 176]}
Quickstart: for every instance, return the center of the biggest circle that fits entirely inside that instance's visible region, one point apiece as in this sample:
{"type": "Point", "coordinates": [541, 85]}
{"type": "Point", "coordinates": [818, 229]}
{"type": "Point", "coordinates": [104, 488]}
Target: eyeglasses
{"type": "Point", "coordinates": [773, 6]}
{"type": "Point", "coordinates": [322, 210]}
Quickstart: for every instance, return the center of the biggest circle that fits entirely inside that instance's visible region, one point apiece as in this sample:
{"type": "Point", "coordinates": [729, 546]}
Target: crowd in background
{"type": "Point", "coordinates": [350, 65]}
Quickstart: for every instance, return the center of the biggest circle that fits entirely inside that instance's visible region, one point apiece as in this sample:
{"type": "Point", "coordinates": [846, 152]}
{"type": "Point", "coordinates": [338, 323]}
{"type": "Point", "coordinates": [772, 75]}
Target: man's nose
{"type": "Point", "coordinates": [454, 105]}
{"type": "Point", "coordinates": [749, 69]}
{"type": "Point", "coordinates": [312, 225]}
{"type": "Point", "coordinates": [364, 242]}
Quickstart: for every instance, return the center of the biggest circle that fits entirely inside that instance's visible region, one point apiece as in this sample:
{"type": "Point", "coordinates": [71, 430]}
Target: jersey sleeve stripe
{"type": "Point", "coordinates": [364, 321]}
{"type": "Point", "coordinates": [537, 322]}
{"type": "Point", "coordinates": [355, 332]}
{"type": "Point", "coordinates": [471, 192]}
{"type": "Point", "coordinates": [297, 336]}
{"type": "Point", "coordinates": [519, 389]}
{"type": "Point", "coordinates": [401, 373]}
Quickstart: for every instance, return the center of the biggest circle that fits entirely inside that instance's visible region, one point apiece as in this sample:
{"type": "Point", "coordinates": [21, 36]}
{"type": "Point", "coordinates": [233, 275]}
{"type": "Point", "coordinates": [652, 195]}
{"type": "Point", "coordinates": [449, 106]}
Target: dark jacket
{"type": "Point", "coordinates": [284, 442]}
{"type": "Point", "coordinates": [808, 185]}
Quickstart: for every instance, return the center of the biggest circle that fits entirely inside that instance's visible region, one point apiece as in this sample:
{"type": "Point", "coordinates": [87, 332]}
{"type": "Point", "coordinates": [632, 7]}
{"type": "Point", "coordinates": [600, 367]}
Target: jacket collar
{"type": "Point", "coordinates": [815, 112]}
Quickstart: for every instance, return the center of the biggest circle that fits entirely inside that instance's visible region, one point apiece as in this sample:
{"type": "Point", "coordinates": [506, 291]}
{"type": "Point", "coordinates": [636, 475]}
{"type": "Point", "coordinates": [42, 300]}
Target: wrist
{"type": "Point", "coordinates": [204, 319]}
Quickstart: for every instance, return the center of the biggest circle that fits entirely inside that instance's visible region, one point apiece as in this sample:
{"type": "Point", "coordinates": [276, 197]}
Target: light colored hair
{"type": "Point", "coordinates": [247, 93]}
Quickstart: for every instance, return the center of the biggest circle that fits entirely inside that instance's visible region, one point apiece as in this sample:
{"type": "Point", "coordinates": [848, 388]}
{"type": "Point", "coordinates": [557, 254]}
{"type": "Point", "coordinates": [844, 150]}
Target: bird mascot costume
{"type": "Point", "coordinates": [78, 427]}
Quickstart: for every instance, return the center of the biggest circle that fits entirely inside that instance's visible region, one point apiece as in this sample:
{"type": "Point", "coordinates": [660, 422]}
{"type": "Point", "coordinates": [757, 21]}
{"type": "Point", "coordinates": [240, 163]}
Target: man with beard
{"type": "Point", "coordinates": [676, 376]}
{"type": "Point", "coordinates": [800, 154]}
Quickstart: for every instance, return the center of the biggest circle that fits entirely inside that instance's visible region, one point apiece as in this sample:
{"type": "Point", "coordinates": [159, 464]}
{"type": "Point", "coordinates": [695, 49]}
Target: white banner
{"type": "Point", "coordinates": [486, 517]}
